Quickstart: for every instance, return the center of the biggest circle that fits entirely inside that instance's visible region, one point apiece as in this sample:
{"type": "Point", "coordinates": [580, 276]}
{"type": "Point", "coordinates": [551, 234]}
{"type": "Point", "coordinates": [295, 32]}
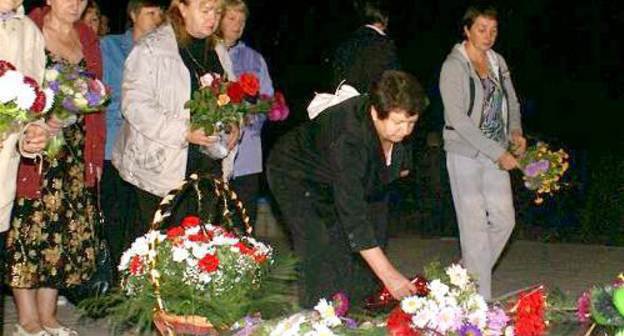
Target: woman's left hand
{"type": "Point", "coordinates": [519, 143]}
{"type": "Point", "coordinates": [233, 136]}
{"type": "Point", "coordinates": [35, 139]}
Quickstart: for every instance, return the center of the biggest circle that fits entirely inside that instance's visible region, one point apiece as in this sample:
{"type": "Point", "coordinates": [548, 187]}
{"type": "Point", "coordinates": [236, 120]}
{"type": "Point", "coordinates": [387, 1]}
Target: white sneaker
{"type": "Point", "coordinates": [61, 301]}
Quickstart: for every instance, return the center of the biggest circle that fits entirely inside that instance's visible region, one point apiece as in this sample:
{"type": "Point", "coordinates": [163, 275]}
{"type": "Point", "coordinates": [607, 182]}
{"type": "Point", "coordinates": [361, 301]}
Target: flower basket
{"type": "Point", "coordinates": [167, 323]}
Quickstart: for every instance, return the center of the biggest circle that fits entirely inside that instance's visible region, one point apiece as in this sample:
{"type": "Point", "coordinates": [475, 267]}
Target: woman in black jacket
{"type": "Point", "coordinates": [329, 177]}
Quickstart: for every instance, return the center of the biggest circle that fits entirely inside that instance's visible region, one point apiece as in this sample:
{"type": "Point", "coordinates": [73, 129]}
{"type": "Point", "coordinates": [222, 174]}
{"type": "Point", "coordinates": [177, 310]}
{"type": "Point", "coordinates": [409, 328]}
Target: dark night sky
{"type": "Point", "coordinates": [566, 57]}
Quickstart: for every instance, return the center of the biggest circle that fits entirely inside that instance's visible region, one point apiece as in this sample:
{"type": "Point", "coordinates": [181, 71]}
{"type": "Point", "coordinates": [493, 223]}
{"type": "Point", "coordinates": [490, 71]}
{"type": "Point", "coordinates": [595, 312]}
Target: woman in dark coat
{"type": "Point", "coordinates": [329, 177]}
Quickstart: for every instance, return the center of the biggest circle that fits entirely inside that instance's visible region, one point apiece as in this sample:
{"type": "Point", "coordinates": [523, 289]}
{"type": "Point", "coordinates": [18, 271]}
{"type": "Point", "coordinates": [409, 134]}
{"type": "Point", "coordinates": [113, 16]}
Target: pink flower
{"type": "Point", "coordinates": [583, 305]}
{"type": "Point", "coordinates": [341, 304]}
{"type": "Point", "coordinates": [279, 111]}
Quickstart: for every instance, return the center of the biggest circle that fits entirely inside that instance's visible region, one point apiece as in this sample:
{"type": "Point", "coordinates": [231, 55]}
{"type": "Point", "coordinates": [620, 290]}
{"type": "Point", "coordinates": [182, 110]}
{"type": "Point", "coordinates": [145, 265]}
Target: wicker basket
{"type": "Point", "coordinates": [173, 325]}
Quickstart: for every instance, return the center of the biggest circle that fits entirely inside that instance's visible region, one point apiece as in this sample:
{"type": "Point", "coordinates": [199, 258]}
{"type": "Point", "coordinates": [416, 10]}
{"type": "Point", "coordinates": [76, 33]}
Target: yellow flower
{"type": "Point", "coordinates": [223, 99]}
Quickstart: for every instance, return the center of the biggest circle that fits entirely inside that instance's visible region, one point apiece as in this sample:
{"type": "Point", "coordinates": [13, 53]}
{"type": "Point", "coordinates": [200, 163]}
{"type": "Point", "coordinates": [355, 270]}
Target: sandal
{"type": "Point", "coordinates": [20, 331]}
{"type": "Point", "coordinates": [61, 331]}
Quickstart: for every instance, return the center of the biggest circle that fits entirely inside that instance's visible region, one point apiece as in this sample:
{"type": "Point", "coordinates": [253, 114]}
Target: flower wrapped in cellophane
{"type": "Point", "coordinates": [21, 99]}
{"type": "Point", "coordinates": [77, 92]}
{"type": "Point", "coordinates": [542, 169]}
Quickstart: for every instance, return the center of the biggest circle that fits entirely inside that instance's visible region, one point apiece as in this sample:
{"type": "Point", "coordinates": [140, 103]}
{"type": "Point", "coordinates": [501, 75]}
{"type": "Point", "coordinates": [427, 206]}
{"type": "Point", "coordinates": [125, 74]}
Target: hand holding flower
{"type": "Point", "coordinates": [35, 139]}
{"type": "Point", "coordinates": [519, 143]}
{"type": "Point", "coordinates": [199, 137]}
{"type": "Point", "coordinates": [507, 161]}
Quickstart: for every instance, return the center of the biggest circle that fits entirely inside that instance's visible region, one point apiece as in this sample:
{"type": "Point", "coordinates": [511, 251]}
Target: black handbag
{"type": "Point", "coordinates": [101, 281]}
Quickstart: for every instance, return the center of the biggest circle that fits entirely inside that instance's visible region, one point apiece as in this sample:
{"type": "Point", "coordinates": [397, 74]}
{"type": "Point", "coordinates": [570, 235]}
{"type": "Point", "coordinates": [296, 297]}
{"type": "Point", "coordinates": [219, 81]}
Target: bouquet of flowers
{"type": "Point", "coordinates": [198, 272]}
{"type": "Point", "coordinates": [542, 169]}
{"type": "Point", "coordinates": [21, 99]}
{"type": "Point", "coordinates": [77, 92]}
{"type": "Point", "coordinates": [219, 104]}
{"type": "Point", "coordinates": [603, 306]}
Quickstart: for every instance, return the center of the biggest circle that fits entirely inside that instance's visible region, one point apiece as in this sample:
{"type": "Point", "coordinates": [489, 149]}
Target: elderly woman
{"type": "Point", "coordinates": [248, 163]}
{"type": "Point", "coordinates": [482, 118]}
{"type": "Point", "coordinates": [156, 148]}
{"type": "Point", "coordinates": [327, 176]}
{"type": "Point", "coordinates": [51, 243]}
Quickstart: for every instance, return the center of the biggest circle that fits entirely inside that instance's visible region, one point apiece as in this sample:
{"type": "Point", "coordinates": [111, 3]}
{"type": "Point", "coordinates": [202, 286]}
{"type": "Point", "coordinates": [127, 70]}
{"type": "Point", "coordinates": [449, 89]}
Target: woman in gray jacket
{"type": "Point", "coordinates": [482, 130]}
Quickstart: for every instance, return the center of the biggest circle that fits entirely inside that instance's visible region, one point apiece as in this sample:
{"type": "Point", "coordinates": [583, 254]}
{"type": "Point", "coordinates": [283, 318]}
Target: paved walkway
{"type": "Point", "coordinates": [571, 268]}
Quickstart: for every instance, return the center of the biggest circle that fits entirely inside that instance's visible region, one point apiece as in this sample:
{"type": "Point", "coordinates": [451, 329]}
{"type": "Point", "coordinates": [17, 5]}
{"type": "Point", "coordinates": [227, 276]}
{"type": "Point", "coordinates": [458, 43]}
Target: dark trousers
{"type": "Point", "coordinates": [327, 264]}
{"type": "Point", "coordinates": [248, 189]}
{"type": "Point", "coordinates": [119, 209]}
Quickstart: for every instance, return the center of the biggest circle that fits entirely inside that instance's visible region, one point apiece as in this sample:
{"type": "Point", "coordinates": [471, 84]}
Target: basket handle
{"type": "Point", "coordinates": [220, 190]}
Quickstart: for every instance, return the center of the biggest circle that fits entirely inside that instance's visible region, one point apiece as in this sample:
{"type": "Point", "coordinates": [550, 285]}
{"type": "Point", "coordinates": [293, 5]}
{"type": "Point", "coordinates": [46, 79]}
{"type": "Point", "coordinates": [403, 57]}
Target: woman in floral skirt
{"type": "Point", "coordinates": [50, 244]}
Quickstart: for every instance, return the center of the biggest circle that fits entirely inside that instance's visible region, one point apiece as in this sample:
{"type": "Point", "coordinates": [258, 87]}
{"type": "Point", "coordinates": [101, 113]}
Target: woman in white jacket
{"type": "Point", "coordinates": [23, 46]}
{"type": "Point", "coordinates": [155, 148]}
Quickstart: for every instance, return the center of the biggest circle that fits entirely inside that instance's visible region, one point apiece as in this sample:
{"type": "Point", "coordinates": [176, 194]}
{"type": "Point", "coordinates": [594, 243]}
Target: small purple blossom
{"type": "Point", "coordinates": [349, 322]}
{"type": "Point", "coordinates": [93, 99]}
{"type": "Point", "coordinates": [497, 320]}
{"type": "Point", "coordinates": [54, 86]}
{"type": "Point", "coordinates": [536, 168]}
{"type": "Point", "coordinates": [469, 330]}
{"type": "Point", "coordinates": [68, 104]}
{"type": "Point", "coordinates": [582, 307]}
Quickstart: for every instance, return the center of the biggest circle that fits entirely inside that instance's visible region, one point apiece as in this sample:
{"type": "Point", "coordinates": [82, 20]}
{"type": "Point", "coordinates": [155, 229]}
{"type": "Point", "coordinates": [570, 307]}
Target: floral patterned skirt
{"type": "Point", "coordinates": [51, 240]}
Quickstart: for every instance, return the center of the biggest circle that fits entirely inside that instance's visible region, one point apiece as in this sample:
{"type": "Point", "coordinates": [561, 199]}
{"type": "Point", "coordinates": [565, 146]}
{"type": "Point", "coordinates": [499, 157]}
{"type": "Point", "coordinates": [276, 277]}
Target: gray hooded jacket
{"type": "Point", "coordinates": [462, 133]}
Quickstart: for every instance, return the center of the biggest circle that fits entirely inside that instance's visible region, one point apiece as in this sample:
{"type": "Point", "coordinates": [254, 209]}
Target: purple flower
{"type": "Point", "coordinates": [93, 98]}
{"type": "Point", "coordinates": [497, 320]}
{"type": "Point", "coordinates": [536, 168]}
{"type": "Point", "coordinates": [469, 330]}
{"type": "Point", "coordinates": [341, 304]}
{"type": "Point", "coordinates": [69, 105]}
{"type": "Point", "coordinates": [54, 86]}
{"type": "Point", "coordinates": [582, 307]}
{"type": "Point", "coordinates": [349, 322]}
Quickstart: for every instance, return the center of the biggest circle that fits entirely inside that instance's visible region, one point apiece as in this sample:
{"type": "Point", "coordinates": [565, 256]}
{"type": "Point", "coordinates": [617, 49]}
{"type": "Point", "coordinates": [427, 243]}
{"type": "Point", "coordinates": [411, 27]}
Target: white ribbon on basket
{"type": "Point", "coordinates": [322, 101]}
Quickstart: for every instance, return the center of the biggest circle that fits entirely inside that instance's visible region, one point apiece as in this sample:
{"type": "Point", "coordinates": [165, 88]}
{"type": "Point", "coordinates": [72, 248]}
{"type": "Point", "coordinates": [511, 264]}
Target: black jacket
{"type": "Point", "coordinates": [338, 156]}
{"type": "Point", "coordinates": [363, 57]}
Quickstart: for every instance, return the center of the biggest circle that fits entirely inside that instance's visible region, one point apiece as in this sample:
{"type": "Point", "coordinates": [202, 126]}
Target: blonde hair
{"type": "Point", "coordinates": [236, 5]}
{"type": "Point", "coordinates": [177, 22]}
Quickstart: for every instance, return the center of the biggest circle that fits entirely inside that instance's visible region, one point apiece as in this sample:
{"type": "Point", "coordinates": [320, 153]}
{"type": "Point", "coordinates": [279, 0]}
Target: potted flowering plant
{"type": "Point", "coordinates": [220, 103]}
{"type": "Point", "coordinates": [77, 92]}
{"type": "Point", "coordinates": [21, 99]}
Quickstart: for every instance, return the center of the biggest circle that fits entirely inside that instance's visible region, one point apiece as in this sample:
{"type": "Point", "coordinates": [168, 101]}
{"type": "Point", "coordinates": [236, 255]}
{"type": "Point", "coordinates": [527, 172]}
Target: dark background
{"type": "Point", "coordinates": [567, 63]}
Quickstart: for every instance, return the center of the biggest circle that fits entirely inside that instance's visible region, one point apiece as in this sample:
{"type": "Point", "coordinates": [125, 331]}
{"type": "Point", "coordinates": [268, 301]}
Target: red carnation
{"type": "Point", "coordinates": [175, 232]}
{"type": "Point", "coordinates": [399, 324]}
{"type": "Point", "coordinates": [529, 318]}
{"type": "Point", "coordinates": [200, 237]}
{"type": "Point", "coordinates": [236, 93]}
{"type": "Point", "coordinates": [250, 84]}
{"type": "Point", "coordinates": [209, 263]}
{"type": "Point", "coordinates": [31, 82]}
{"type": "Point", "coordinates": [136, 265]}
{"type": "Point", "coordinates": [244, 249]}
{"type": "Point", "coordinates": [5, 66]}
{"type": "Point", "coordinates": [39, 103]}
{"type": "Point", "coordinates": [190, 221]}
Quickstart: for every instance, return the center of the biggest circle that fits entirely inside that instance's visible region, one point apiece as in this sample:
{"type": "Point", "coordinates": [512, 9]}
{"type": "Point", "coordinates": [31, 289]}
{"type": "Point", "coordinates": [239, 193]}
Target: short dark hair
{"type": "Point", "coordinates": [135, 6]}
{"type": "Point", "coordinates": [473, 12]}
{"type": "Point", "coordinates": [373, 11]}
{"type": "Point", "coordinates": [397, 90]}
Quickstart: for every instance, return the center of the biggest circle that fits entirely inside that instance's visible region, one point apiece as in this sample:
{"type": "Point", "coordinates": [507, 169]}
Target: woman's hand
{"type": "Point", "coordinates": [35, 139]}
{"type": "Point", "coordinates": [507, 161]}
{"type": "Point", "coordinates": [519, 143]}
{"type": "Point", "coordinates": [398, 285]}
{"type": "Point", "coordinates": [54, 125]}
{"type": "Point", "coordinates": [199, 137]}
{"type": "Point", "coordinates": [233, 136]}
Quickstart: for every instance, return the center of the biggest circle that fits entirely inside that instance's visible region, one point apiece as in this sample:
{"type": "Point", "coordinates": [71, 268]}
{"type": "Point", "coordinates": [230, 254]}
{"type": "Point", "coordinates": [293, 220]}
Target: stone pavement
{"type": "Point", "coordinates": [571, 268]}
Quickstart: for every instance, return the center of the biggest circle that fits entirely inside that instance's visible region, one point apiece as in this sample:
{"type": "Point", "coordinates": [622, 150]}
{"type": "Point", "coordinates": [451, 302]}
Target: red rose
{"type": "Point", "coordinates": [399, 324]}
{"type": "Point", "coordinates": [175, 232]}
{"type": "Point", "coordinates": [190, 221]}
{"type": "Point", "coordinates": [209, 263]}
{"type": "Point", "coordinates": [136, 265]}
{"type": "Point", "coordinates": [250, 84]}
{"type": "Point", "coordinates": [235, 92]}
{"type": "Point", "coordinates": [5, 66]}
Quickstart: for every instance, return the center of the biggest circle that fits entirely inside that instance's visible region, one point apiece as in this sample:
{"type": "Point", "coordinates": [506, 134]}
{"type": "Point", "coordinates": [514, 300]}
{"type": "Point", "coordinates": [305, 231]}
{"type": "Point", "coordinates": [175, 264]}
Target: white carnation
{"type": "Point", "coordinates": [458, 275]}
